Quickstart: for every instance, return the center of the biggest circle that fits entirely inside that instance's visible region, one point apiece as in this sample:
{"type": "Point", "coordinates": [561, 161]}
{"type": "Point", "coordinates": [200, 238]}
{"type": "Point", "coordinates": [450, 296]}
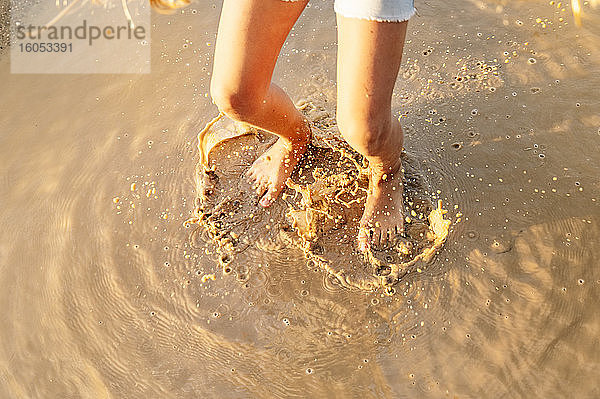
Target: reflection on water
{"type": "Point", "coordinates": [103, 295]}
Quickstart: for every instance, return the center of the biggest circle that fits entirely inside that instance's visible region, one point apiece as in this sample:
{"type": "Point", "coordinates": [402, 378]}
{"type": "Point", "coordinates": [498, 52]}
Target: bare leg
{"type": "Point", "coordinates": [369, 55]}
{"type": "Point", "coordinates": [251, 34]}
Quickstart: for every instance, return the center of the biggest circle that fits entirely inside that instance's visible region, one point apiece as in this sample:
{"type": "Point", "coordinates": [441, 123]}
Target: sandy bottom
{"type": "Point", "coordinates": [319, 211]}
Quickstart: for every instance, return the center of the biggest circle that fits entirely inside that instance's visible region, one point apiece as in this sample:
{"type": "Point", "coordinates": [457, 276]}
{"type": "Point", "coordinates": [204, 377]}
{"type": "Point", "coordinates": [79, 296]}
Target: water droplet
{"type": "Point", "coordinates": [472, 235]}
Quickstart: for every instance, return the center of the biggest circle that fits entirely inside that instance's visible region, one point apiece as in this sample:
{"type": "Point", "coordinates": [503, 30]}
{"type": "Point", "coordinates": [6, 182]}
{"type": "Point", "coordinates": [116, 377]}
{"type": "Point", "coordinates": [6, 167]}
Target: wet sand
{"type": "Point", "coordinates": [106, 294]}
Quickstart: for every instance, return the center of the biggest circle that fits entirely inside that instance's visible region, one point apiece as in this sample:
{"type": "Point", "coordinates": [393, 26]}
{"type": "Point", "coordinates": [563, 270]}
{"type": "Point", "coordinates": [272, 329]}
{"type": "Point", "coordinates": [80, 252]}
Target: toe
{"type": "Point", "coordinates": [261, 186]}
{"type": "Point", "coordinates": [251, 173]}
{"type": "Point", "coordinates": [269, 197]}
{"type": "Point", "coordinates": [400, 226]}
{"type": "Point", "coordinates": [254, 182]}
{"type": "Point", "coordinates": [363, 239]}
{"type": "Point", "coordinates": [252, 178]}
{"type": "Point", "coordinates": [376, 239]}
{"type": "Point", "coordinates": [393, 236]}
{"type": "Point", "coordinates": [384, 239]}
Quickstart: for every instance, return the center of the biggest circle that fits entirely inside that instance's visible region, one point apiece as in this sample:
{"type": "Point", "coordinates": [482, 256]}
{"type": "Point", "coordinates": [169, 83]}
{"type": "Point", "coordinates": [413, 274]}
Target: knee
{"type": "Point", "coordinates": [239, 103]}
{"type": "Point", "coordinates": [368, 134]}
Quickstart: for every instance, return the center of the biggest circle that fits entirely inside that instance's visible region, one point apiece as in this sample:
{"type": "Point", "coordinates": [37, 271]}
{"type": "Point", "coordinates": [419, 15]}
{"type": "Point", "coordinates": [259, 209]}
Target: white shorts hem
{"type": "Point", "coordinates": [405, 16]}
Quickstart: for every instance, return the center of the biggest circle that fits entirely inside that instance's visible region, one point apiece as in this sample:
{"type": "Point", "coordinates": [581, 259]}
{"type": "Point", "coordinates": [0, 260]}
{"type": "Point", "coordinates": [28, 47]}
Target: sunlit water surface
{"type": "Point", "coordinates": [102, 294]}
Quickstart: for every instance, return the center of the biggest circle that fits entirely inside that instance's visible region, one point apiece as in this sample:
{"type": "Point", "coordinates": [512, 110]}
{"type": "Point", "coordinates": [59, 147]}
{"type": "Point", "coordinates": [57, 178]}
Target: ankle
{"type": "Point", "coordinates": [300, 137]}
{"type": "Point", "coordinates": [381, 174]}
{"type": "Point", "coordinates": [389, 166]}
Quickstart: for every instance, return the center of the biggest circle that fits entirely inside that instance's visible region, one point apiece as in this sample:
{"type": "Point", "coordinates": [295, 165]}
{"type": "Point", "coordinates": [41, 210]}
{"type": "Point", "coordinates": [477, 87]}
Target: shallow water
{"type": "Point", "coordinates": [104, 296]}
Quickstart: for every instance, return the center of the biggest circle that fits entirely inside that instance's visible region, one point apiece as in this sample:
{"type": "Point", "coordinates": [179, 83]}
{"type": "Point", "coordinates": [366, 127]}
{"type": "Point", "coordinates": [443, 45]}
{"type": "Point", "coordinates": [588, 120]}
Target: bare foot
{"type": "Point", "coordinates": [271, 170]}
{"type": "Point", "coordinates": [382, 221]}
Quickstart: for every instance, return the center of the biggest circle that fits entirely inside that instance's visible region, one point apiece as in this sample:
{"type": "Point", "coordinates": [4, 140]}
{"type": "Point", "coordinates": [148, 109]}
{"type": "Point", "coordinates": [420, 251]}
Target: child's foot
{"type": "Point", "coordinates": [271, 170]}
{"type": "Point", "coordinates": [383, 218]}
